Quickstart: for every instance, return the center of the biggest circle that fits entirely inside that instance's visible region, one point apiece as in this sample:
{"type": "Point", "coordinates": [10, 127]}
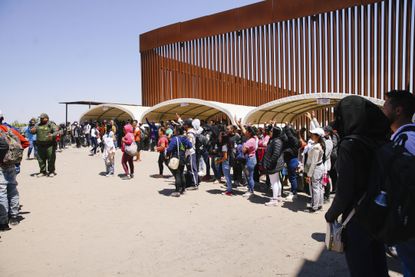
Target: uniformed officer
{"type": "Point", "coordinates": [46, 133]}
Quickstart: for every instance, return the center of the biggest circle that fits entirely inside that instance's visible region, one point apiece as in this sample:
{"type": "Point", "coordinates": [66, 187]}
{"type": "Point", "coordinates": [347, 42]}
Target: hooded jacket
{"type": "Point", "coordinates": [128, 139]}
{"type": "Point", "coordinates": [273, 159]}
{"type": "Point", "coordinates": [355, 116]}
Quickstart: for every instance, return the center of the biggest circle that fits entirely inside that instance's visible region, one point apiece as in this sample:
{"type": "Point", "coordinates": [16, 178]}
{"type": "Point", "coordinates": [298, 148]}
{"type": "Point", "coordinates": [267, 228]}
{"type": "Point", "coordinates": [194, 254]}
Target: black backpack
{"type": "Point", "coordinates": [391, 182]}
{"type": "Point", "coordinates": [201, 143]}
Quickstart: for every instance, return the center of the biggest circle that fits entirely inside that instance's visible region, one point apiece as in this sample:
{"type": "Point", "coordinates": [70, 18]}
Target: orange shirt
{"type": "Point", "coordinates": [137, 134]}
{"type": "Point", "coordinates": [23, 141]}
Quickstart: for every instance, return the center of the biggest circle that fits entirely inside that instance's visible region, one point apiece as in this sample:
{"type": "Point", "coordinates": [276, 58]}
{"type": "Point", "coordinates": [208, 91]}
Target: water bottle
{"type": "Point", "coordinates": [381, 199]}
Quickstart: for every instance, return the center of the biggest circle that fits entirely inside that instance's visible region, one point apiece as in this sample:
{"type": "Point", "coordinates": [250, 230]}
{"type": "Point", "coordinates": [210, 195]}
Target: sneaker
{"type": "Point", "coordinates": [131, 176]}
{"type": "Point", "coordinates": [14, 220]}
{"type": "Point", "coordinates": [52, 174]}
{"type": "Point", "coordinates": [175, 194]}
{"type": "Point", "coordinates": [291, 197]}
{"type": "Point", "coordinates": [127, 177]}
{"type": "Point", "coordinates": [227, 193]}
{"type": "Point", "coordinates": [4, 227]}
{"type": "Point", "coordinates": [272, 203]}
{"type": "Point", "coordinates": [311, 210]}
{"type": "Point", "coordinates": [247, 194]}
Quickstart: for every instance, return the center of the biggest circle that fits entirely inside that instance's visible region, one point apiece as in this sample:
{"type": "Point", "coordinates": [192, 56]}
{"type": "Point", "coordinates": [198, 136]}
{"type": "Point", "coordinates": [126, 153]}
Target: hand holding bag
{"type": "Point", "coordinates": [174, 162]}
{"type": "Point", "coordinates": [334, 234]}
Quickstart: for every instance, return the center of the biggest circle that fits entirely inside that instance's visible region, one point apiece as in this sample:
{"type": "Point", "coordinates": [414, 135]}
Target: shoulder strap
{"type": "Point", "coordinates": [178, 148]}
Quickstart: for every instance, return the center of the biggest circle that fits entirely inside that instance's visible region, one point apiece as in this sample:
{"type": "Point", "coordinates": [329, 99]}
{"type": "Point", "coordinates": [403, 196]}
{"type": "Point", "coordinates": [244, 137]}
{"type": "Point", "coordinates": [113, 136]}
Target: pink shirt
{"type": "Point", "coordinates": [251, 145]}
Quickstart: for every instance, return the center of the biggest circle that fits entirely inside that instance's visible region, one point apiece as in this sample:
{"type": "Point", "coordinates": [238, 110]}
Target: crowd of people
{"type": "Point", "coordinates": [321, 161]}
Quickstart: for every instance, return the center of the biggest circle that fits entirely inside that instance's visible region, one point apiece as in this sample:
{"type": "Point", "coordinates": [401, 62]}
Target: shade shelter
{"type": "Point", "coordinates": [289, 108]}
{"type": "Point", "coordinates": [108, 111]}
{"type": "Point", "coordinates": [195, 108]}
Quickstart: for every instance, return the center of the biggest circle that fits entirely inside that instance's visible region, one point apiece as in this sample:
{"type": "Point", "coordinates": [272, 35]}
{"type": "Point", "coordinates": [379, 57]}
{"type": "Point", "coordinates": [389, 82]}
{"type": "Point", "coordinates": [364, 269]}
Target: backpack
{"type": "Point", "coordinates": [387, 210]}
{"type": "Point", "coordinates": [11, 150]}
{"type": "Point", "coordinates": [201, 143]}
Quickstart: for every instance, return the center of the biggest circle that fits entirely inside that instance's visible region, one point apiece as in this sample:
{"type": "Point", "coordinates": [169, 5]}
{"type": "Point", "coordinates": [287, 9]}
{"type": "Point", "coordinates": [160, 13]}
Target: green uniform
{"type": "Point", "coordinates": [46, 146]}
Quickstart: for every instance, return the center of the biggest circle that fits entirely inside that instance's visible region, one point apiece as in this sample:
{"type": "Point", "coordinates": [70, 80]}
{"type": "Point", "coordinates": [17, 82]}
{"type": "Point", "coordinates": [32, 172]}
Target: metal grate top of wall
{"type": "Point", "coordinates": [273, 49]}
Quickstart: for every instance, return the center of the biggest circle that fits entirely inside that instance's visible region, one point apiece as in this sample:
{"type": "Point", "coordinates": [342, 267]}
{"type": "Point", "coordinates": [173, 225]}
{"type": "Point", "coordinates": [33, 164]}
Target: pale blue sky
{"type": "Point", "coordinates": [67, 50]}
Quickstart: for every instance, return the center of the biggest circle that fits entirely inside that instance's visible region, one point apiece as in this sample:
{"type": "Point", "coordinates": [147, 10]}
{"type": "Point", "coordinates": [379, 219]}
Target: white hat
{"type": "Point", "coordinates": [318, 131]}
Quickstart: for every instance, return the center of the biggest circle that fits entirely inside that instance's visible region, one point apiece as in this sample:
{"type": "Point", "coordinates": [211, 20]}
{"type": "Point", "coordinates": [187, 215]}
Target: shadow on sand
{"type": "Point", "coordinates": [333, 264]}
{"type": "Point", "coordinates": [166, 192]}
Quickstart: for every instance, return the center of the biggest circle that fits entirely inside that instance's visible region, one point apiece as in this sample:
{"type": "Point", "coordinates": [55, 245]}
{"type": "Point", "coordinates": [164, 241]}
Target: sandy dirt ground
{"type": "Point", "coordinates": [81, 223]}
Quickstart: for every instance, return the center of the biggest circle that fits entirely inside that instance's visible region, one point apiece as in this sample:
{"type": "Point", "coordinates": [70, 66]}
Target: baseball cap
{"type": "Point", "coordinates": [318, 131]}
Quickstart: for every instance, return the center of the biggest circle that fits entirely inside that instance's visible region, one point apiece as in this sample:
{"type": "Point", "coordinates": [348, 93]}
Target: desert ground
{"type": "Point", "coordinates": [81, 223]}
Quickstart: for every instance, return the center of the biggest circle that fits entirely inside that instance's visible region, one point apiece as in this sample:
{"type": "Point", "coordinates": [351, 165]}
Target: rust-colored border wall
{"type": "Point", "coordinates": [274, 49]}
{"type": "Point", "coordinates": [257, 14]}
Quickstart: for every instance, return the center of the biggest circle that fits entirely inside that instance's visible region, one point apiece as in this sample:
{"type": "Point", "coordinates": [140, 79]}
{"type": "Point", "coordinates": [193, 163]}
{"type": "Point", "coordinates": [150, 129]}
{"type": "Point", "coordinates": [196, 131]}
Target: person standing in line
{"type": "Point", "coordinates": [127, 160]}
{"type": "Point", "coordinates": [162, 145]}
{"type": "Point", "coordinates": [153, 134]}
{"type": "Point", "coordinates": [32, 139]}
{"type": "Point", "coordinates": [224, 160]}
{"type": "Point", "coordinates": [114, 129]}
{"type": "Point", "coordinates": [94, 138]}
{"type": "Point", "coordinates": [357, 116]}
{"type": "Point", "coordinates": [77, 134]}
{"type": "Point", "coordinates": [46, 133]}
{"type": "Point", "coordinates": [274, 163]}
{"type": "Point", "coordinates": [249, 149]}
{"type": "Point", "coordinates": [9, 195]}
{"type": "Point", "coordinates": [109, 151]}
{"type": "Point", "coordinates": [291, 159]}
{"type": "Point", "coordinates": [87, 133]}
{"type": "Point", "coordinates": [329, 148]}
{"type": "Point", "coordinates": [191, 153]}
{"type": "Point", "coordinates": [177, 147]}
{"type": "Point", "coordinates": [314, 168]}
{"type": "Point", "coordinates": [137, 139]}
{"type": "Point", "coordinates": [399, 108]}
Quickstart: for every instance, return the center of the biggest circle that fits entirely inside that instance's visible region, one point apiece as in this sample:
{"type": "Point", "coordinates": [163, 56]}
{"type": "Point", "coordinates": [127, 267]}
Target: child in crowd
{"type": "Point", "coordinates": [109, 151]}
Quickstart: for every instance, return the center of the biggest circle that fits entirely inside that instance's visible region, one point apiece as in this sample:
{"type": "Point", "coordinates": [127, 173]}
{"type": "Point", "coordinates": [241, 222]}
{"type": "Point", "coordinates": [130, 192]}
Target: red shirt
{"type": "Point", "coordinates": [162, 140]}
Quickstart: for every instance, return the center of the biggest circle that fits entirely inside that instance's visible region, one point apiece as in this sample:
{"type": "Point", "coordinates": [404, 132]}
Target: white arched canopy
{"type": "Point", "coordinates": [289, 108]}
{"type": "Point", "coordinates": [195, 108]}
{"type": "Point", "coordinates": [114, 111]}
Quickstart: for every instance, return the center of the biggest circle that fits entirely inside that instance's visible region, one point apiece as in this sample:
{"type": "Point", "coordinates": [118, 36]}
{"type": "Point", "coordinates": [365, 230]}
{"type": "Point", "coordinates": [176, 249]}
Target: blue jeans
{"type": "Point", "coordinates": [226, 168]}
{"type": "Point", "coordinates": [216, 169]}
{"type": "Point", "coordinates": [32, 147]}
{"type": "Point", "coordinates": [9, 196]}
{"type": "Point", "coordinates": [292, 174]}
{"type": "Point", "coordinates": [250, 167]}
{"type": "Point", "coordinates": [406, 252]}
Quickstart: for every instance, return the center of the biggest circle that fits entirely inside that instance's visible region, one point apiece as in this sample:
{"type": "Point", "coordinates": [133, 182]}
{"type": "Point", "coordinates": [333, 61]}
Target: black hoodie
{"type": "Point", "coordinates": [355, 116]}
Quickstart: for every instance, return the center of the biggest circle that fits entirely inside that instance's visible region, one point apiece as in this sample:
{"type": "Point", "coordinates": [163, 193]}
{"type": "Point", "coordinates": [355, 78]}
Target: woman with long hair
{"type": "Point", "coordinates": [274, 163]}
{"type": "Point", "coordinates": [225, 161]}
{"type": "Point", "coordinates": [249, 149]}
{"type": "Point", "coordinates": [162, 145]}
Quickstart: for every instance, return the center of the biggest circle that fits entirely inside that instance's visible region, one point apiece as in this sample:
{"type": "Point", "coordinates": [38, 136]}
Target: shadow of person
{"type": "Point", "coordinates": [166, 192]}
{"type": "Point", "coordinates": [297, 205]}
{"type": "Point", "coordinates": [258, 199]}
{"type": "Point", "coordinates": [215, 191]}
{"type": "Point", "coordinates": [320, 237]}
